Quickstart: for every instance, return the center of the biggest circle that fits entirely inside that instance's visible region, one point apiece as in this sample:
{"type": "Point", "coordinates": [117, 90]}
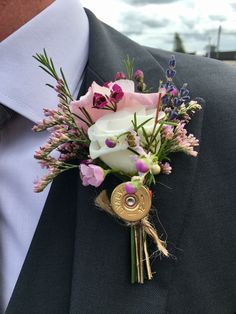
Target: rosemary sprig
{"type": "Point", "coordinates": [47, 65]}
{"type": "Point", "coordinates": [129, 66]}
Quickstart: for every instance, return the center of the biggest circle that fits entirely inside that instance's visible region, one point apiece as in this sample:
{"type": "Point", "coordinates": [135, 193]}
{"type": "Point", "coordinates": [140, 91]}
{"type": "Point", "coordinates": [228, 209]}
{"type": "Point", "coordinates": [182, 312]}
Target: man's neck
{"type": "Point", "coordinates": [15, 13]}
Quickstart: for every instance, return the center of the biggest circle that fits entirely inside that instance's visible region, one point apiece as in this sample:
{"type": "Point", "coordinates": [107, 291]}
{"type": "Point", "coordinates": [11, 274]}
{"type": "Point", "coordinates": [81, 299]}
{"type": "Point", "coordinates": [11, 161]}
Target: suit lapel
{"type": "Point", "coordinates": [100, 282]}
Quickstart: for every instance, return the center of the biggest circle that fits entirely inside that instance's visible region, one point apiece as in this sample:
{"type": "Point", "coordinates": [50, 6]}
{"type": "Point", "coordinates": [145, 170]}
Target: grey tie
{"type": "Point", "coordinates": [5, 115]}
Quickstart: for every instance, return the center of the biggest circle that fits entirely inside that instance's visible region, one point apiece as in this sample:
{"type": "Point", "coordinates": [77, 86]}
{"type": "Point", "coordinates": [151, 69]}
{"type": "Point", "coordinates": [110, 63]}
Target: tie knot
{"type": "Point", "coordinates": [5, 115]}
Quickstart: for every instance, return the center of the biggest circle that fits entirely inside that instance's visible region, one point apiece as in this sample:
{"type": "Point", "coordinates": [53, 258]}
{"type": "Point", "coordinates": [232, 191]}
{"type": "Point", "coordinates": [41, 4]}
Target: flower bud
{"type": "Point", "coordinates": [139, 76]}
{"type": "Point", "coordinates": [172, 62]}
{"type": "Point", "coordinates": [155, 169]}
{"type": "Point", "coordinates": [119, 76]}
{"type": "Point", "coordinates": [170, 73]}
{"type": "Point", "coordinates": [129, 188]}
{"type": "Point", "coordinates": [141, 166]}
{"type": "Point", "coordinates": [110, 142]}
{"type": "Point", "coordinates": [166, 168]}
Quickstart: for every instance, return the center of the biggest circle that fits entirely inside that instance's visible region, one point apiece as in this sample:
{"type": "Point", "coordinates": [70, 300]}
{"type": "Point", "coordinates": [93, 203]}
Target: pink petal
{"type": "Point", "coordinates": [85, 170]}
{"type": "Point", "coordinates": [126, 85]}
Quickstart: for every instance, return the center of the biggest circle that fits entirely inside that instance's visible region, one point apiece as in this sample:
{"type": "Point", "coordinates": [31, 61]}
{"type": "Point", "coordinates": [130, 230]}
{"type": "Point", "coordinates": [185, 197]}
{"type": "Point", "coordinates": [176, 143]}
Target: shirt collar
{"type": "Point", "coordinates": [63, 30]}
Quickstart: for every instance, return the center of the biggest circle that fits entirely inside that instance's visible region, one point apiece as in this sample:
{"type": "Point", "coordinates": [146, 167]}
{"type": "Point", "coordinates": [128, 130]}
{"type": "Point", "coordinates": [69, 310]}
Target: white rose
{"type": "Point", "coordinates": [112, 125]}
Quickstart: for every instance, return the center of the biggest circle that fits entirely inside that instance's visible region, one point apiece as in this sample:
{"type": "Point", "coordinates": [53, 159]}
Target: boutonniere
{"type": "Point", "coordinates": [125, 130]}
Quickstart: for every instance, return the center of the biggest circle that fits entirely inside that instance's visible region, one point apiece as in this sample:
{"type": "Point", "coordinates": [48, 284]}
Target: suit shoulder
{"type": "Point", "coordinates": [211, 79]}
{"type": "Point", "coordinates": [185, 62]}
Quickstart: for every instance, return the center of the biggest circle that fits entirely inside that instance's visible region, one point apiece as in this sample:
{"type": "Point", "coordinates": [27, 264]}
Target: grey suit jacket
{"type": "Point", "coordinates": [78, 260]}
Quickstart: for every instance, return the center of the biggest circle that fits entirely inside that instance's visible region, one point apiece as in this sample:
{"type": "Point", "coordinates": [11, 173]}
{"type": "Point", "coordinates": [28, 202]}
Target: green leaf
{"type": "Point", "coordinates": [142, 124]}
{"type": "Point", "coordinates": [145, 136]}
{"type": "Point", "coordinates": [47, 71]}
{"type": "Point", "coordinates": [134, 122]}
{"type": "Point", "coordinates": [49, 85]}
{"type": "Point", "coordinates": [168, 123]}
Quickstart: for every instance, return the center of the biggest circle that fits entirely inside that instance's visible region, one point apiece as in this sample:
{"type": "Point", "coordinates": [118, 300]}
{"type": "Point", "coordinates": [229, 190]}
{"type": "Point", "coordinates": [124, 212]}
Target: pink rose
{"type": "Point", "coordinates": [91, 175]}
{"type": "Point", "coordinates": [129, 99]}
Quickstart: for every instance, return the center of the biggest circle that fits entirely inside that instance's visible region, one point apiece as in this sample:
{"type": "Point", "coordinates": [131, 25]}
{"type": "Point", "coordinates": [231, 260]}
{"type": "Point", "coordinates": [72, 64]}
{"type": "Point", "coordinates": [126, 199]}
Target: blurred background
{"type": "Point", "coordinates": [202, 27]}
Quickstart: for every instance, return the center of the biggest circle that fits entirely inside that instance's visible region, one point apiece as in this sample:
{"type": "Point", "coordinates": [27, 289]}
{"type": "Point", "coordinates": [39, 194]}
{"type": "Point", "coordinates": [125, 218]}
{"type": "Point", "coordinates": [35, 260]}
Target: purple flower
{"type": "Point", "coordinates": [138, 75]}
{"type": "Point", "coordinates": [170, 74]}
{"type": "Point", "coordinates": [129, 188]}
{"type": "Point", "coordinates": [119, 76]}
{"type": "Point", "coordinates": [110, 142]}
{"type": "Point", "coordinates": [99, 101]}
{"type": "Point", "coordinates": [184, 91]}
{"type": "Point", "coordinates": [91, 175]}
{"type": "Point", "coordinates": [141, 166]}
{"type": "Point", "coordinates": [177, 101]}
{"type": "Point", "coordinates": [172, 62]}
{"type": "Point", "coordinates": [173, 115]}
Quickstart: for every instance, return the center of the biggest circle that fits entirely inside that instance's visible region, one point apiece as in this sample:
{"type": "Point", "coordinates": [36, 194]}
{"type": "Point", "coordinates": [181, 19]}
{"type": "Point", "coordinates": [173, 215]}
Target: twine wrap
{"type": "Point", "coordinates": [102, 201]}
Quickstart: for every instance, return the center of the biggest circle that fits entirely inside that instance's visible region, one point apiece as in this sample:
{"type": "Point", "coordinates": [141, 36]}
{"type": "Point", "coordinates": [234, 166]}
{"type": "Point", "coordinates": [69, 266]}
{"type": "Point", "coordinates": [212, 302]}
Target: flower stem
{"type": "Point", "coordinates": [137, 253]}
{"type": "Point", "coordinates": [133, 256]}
{"type": "Point", "coordinates": [141, 253]}
{"type": "Point", "coordinates": [158, 108]}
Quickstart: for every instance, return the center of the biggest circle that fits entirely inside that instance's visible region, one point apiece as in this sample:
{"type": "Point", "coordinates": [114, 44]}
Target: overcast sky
{"type": "Point", "coordinates": [154, 22]}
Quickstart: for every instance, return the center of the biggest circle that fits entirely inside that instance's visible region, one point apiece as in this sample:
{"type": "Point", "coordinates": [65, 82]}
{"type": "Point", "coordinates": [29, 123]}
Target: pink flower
{"type": "Point", "coordinates": [116, 93]}
{"type": "Point", "coordinates": [138, 75]}
{"type": "Point", "coordinates": [128, 99]}
{"type": "Point", "coordinates": [174, 91]}
{"type": "Point", "coordinates": [91, 175]}
{"type": "Point", "coordinates": [166, 168]}
{"type": "Point", "coordinates": [184, 142]}
{"type": "Point", "coordinates": [119, 76]}
{"type": "Point", "coordinates": [99, 101]}
{"type": "Point", "coordinates": [167, 132]}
